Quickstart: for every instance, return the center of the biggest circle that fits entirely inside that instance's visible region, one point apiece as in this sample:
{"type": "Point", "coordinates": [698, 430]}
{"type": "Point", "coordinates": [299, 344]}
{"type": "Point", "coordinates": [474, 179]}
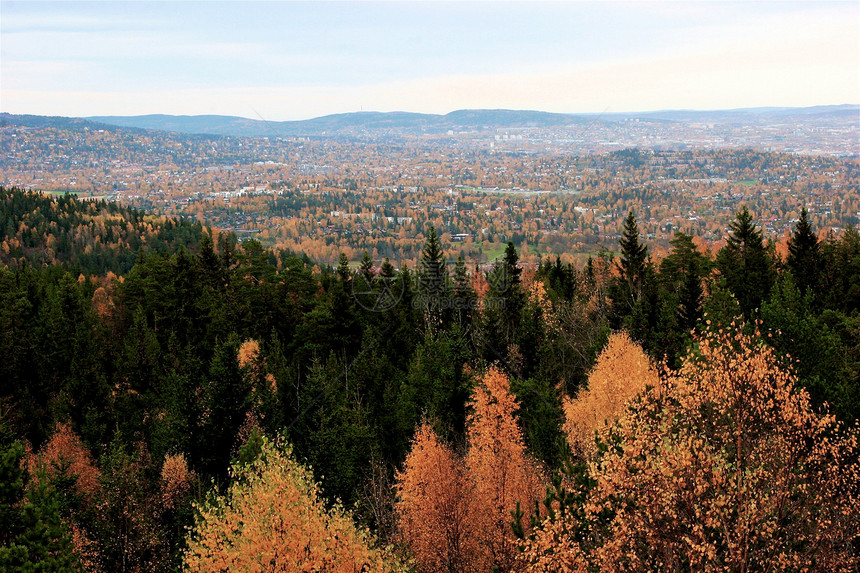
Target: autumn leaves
{"type": "Point", "coordinates": [455, 511]}
{"type": "Point", "coordinates": [721, 465]}
{"type": "Point", "coordinates": [273, 518]}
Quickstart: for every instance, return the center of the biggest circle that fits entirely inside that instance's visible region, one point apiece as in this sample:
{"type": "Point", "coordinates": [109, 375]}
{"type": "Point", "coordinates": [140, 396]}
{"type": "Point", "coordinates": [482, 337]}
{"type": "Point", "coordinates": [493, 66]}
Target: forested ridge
{"type": "Point", "coordinates": [174, 398]}
{"type": "Point", "coordinates": [91, 237]}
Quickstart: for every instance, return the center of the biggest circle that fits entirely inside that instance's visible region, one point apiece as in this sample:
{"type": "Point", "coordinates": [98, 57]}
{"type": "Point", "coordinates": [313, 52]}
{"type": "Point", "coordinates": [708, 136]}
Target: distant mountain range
{"type": "Point", "coordinates": [405, 123]}
{"type": "Point", "coordinates": [480, 119]}
{"type": "Point", "coordinates": [344, 123]}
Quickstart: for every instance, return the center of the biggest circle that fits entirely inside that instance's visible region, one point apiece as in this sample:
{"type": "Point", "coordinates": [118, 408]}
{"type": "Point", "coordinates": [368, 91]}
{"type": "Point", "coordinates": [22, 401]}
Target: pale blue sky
{"type": "Point", "coordinates": [295, 60]}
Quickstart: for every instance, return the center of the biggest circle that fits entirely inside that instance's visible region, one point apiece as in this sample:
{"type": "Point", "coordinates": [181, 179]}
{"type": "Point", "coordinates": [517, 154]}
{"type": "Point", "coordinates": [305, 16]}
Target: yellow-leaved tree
{"type": "Point", "coordinates": [502, 472]}
{"type": "Point", "coordinates": [622, 371]}
{"type": "Point", "coordinates": [455, 513]}
{"type": "Point", "coordinates": [724, 466]}
{"type": "Point", "coordinates": [433, 507]}
{"type": "Point", "coordinates": [272, 518]}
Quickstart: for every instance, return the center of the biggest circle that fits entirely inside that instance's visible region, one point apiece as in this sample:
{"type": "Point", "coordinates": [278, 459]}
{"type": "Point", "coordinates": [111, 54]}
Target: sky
{"type": "Point", "coordinates": [291, 60]}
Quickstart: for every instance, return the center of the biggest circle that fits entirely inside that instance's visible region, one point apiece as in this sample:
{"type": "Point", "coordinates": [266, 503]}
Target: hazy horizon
{"type": "Point", "coordinates": [284, 61]}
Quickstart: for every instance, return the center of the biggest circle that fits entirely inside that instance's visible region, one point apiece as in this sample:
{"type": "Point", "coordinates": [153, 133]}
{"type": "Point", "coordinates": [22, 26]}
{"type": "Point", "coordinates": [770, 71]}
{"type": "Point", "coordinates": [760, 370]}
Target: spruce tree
{"type": "Point", "coordinates": [343, 268]}
{"type": "Point", "coordinates": [433, 282]}
{"type": "Point", "coordinates": [503, 306]}
{"type": "Point", "coordinates": [633, 256]}
{"type": "Point", "coordinates": [366, 268]}
{"type": "Point", "coordinates": [745, 263]}
{"type": "Point", "coordinates": [690, 299]}
{"type": "Point", "coordinates": [464, 294]}
{"type": "Point", "coordinates": [433, 276]}
{"type": "Point", "coordinates": [681, 275]}
{"type": "Point", "coordinates": [387, 270]}
{"type": "Point", "coordinates": [33, 536]}
{"type": "Point", "coordinates": [626, 290]}
{"type": "Point", "coordinates": [803, 260]}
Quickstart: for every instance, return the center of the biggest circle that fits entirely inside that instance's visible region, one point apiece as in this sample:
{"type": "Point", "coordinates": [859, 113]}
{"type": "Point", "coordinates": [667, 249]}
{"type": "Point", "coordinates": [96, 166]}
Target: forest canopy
{"type": "Point", "coordinates": [148, 394]}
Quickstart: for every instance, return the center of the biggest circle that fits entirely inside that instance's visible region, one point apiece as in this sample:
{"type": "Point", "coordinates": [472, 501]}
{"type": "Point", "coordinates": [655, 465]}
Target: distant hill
{"type": "Point", "coordinates": [344, 123]}
{"type": "Point", "coordinates": [477, 119]}
{"type": "Point", "coordinates": [41, 121]}
{"type": "Point", "coordinates": [754, 115]}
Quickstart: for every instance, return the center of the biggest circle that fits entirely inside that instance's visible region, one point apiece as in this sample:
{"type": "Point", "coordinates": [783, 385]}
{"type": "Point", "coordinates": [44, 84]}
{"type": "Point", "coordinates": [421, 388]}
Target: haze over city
{"type": "Point", "coordinates": [297, 60]}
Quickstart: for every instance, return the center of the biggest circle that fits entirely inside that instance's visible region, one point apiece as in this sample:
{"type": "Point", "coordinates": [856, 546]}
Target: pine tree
{"type": "Point", "coordinates": [683, 257]}
{"type": "Point", "coordinates": [434, 283]}
{"type": "Point", "coordinates": [366, 268]}
{"type": "Point", "coordinates": [343, 268]}
{"type": "Point", "coordinates": [745, 263]}
{"type": "Point", "coordinates": [633, 257]}
{"type": "Point", "coordinates": [681, 273]}
{"type": "Point", "coordinates": [803, 260]}
{"type": "Point", "coordinates": [387, 270]}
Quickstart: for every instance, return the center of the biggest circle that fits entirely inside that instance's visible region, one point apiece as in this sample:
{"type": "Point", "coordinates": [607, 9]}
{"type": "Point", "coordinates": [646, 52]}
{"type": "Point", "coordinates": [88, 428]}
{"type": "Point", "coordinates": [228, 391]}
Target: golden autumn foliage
{"type": "Point", "coordinates": [250, 360]}
{"type": "Point", "coordinates": [455, 514]}
{"type": "Point", "coordinates": [249, 351]}
{"type": "Point", "coordinates": [433, 506]}
{"type": "Point", "coordinates": [66, 453]}
{"type": "Point", "coordinates": [622, 371]}
{"type": "Point", "coordinates": [272, 518]}
{"type": "Point", "coordinates": [102, 304]}
{"type": "Point", "coordinates": [502, 472]}
{"type": "Point", "coordinates": [85, 548]}
{"type": "Point", "coordinates": [176, 480]}
{"type": "Point", "coordinates": [723, 467]}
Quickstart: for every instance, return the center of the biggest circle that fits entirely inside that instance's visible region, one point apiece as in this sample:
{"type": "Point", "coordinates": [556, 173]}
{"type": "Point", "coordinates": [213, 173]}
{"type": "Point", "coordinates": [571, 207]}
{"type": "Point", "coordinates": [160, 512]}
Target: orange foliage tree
{"type": "Point", "coordinates": [503, 474]}
{"type": "Point", "coordinates": [272, 518]}
{"type": "Point", "coordinates": [176, 480]}
{"type": "Point", "coordinates": [67, 455]}
{"type": "Point", "coordinates": [722, 467]}
{"type": "Point", "coordinates": [455, 514]}
{"type": "Point", "coordinates": [434, 505]}
{"type": "Point", "coordinates": [621, 372]}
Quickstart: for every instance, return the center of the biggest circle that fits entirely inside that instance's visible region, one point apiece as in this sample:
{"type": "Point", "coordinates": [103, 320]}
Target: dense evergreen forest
{"type": "Point", "coordinates": [156, 375]}
{"type": "Point", "coordinates": [90, 237]}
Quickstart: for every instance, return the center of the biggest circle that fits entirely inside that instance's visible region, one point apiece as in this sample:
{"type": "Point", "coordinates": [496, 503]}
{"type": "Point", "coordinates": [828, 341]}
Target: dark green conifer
{"type": "Point", "coordinates": [633, 257]}
{"type": "Point", "coordinates": [343, 268]}
{"type": "Point", "coordinates": [434, 283]}
{"type": "Point", "coordinates": [433, 275]}
{"type": "Point", "coordinates": [803, 261]}
{"type": "Point", "coordinates": [33, 536]}
{"type": "Point", "coordinates": [365, 268]}
{"type": "Point", "coordinates": [745, 263]}
{"type": "Point", "coordinates": [387, 270]}
{"type": "Point", "coordinates": [690, 299]}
